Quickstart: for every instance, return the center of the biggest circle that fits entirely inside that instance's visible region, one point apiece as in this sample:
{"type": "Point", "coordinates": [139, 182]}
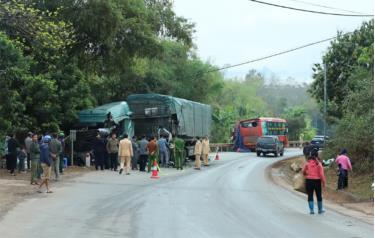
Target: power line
{"type": "Point", "coordinates": [273, 55]}
{"type": "Point", "coordinates": [311, 11]}
{"type": "Point", "coordinates": [324, 6]}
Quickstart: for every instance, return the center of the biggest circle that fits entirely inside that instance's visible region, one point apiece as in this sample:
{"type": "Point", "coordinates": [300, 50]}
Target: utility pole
{"type": "Point", "coordinates": [325, 102]}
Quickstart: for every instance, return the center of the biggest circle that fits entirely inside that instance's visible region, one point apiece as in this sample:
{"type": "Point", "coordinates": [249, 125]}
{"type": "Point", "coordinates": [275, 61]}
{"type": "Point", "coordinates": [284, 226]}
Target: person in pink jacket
{"type": "Point", "coordinates": [315, 180]}
{"type": "Point", "coordinates": [344, 165]}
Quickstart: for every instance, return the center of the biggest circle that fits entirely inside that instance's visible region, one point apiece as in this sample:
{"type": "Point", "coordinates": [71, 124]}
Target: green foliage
{"type": "Point", "coordinates": [346, 54]}
{"type": "Point", "coordinates": [350, 80]}
{"type": "Point", "coordinates": [58, 57]}
{"type": "Point", "coordinates": [255, 97]}
{"type": "Point", "coordinates": [355, 130]}
{"type": "Point", "coordinates": [296, 122]}
{"type": "Point", "coordinates": [13, 72]}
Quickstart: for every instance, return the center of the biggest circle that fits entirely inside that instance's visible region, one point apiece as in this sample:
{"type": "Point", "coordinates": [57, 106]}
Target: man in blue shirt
{"type": "Point", "coordinates": [46, 162]}
{"type": "Point", "coordinates": [163, 151]}
{"type": "Point", "coordinates": [143, 153]}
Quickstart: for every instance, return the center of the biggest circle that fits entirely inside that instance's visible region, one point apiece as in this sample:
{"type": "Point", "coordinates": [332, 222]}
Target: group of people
{"type": "Point", "coordinates": [41, 154]}
{"type": "Point", "coordinates": [315, 178]}
{"type": "Point", "coordinates": [201, 150]}
{"type": "Point", "coordinates": [131, 154]}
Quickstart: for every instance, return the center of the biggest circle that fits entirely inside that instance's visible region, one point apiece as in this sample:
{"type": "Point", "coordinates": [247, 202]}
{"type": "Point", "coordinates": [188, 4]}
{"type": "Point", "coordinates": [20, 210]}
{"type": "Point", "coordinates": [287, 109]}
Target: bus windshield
{"type": "Point", "coordinates": [273, 128]}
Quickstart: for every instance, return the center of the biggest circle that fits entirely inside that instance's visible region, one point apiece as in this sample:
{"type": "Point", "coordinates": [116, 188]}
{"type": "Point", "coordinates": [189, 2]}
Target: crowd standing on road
{"type": "Point", "coordinates": [44, 154]}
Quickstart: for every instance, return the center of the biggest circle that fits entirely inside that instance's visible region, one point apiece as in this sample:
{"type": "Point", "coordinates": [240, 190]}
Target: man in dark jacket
{"type": "Point", "coordinates": [46, 162]}
{"type": "Point", "coordinates": [143, 157]}
{"type": "Point", "coordinates": [61, 156]}
{"type": "Point", "coordinates": [55, 149]}
{"type": "Point", "coordinates": [135, 153]}
{"type": "Point", "coordinates": [12, 153]}
{"type": "Point", "coordinates": [99, 149]}
{"type": "Point", "coordinates": [35, 159]}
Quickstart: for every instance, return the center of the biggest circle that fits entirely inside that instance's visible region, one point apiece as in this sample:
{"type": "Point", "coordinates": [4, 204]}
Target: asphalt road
{"type": "Point", "coordinates": [231, 198]}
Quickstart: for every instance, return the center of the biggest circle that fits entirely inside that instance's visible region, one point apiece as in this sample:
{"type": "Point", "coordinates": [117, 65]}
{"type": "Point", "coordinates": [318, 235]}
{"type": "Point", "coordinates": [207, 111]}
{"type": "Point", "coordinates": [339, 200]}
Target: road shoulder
{"type": "Point", "coordinates": [363, 211]}
{"type": "Point", "coordinates": [17, 189]}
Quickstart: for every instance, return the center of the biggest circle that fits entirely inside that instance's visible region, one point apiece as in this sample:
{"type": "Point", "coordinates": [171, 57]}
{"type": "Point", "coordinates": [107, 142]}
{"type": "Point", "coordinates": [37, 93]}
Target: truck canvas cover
{"type": "Point", "coordinates": [193, 118]}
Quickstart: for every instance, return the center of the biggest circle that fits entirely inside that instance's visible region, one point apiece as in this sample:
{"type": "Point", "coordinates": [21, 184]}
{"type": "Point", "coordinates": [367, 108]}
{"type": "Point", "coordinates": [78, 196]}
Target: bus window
{"type": "Point", "coordinates": [249, 124]}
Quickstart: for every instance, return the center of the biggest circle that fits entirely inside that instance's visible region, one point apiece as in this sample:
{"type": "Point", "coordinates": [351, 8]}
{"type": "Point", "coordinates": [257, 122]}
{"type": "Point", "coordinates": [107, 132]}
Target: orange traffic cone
{"type": "Point", "coordinates": [155, 170]}
{"type": "Point", "coordinates": [217, 156]}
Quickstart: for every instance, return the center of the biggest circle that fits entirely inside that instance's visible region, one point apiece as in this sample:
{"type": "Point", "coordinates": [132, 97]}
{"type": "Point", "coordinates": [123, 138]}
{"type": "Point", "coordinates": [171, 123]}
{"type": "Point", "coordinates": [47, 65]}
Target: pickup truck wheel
{"type": "Point", "coordinates": [282, 153]}
{"type": "Point", "coordinates": [258, 154]}
{"type": "Point", "coordinates": [275, 154]}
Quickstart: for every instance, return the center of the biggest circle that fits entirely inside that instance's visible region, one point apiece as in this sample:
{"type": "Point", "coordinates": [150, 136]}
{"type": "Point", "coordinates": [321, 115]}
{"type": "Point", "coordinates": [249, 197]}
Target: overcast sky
{"type": "Point", "coordinates": [234, 31]}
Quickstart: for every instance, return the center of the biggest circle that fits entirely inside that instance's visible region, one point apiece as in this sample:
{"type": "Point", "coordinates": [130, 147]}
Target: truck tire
{"type": "Point", "coordinates": [275, 154]}
{"type": "Point", "coordinates": [258, 154]}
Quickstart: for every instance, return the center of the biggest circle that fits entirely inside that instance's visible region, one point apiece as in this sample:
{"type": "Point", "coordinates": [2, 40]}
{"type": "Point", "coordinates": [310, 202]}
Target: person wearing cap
{"type": "Point", "coordinates": [163, 151]}
{"type": "Point", "coordinates": [125, 152]}
{"type": "Point", "coordinates": [28, 142]}
{"type": "Point", "coordinates": [55, 149]}
{"type": "Point", "coordinates": [46, 162]}
{"type": "Point", "coordinates": [61, 155]}
{"type": "Point", "coordinates": [34, 159]}
{"type": "Point", "coordinates": [112, 149]}
{"type": "Point", "coordinates": [135, 157]}
{"type": "Point", "coordinates": [315, 180]}
{"type": "Point", "coordinates": [344, 164]}
{"type": "Point", "coordinates": [179, 153]}
{"type": "Point", "coordinates": [152, 148]}
{"type": "Point", "coordinates": [198, 154]}
{"type": "Point", "coordinates": [143, 154]}
{"type": "Point", "coordinates": [205, 150]}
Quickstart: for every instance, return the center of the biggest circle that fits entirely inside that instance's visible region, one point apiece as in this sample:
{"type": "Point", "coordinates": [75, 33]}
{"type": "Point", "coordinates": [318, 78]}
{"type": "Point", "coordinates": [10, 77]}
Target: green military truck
{"type": "Point", "coordinates": [111, 116]}
{"type": "Point", "coordinates": [107, 118]}
{"type": "Point", "coordinates": [182, 118]}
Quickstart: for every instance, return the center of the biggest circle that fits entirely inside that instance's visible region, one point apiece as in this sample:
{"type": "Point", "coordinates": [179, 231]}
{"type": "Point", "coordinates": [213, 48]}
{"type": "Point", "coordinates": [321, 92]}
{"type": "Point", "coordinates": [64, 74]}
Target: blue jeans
{"type": "Point", "coordinates": [343, 179]}
{"type": "Point", "coordinates": [21, 164]}
{"type": "Point", "coordinates": [164, 158]}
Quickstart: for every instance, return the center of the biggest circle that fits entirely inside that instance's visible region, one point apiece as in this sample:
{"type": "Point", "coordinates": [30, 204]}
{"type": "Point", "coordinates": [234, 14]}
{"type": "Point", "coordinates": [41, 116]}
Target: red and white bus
{"type": "Point", "coordinates": [247, 132]}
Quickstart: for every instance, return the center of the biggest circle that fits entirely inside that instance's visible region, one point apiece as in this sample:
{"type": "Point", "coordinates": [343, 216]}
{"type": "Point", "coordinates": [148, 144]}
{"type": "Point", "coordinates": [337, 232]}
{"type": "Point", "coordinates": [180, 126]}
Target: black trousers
{"type": "Point", "coordinates": [142, 162]}
{"type": "Point", "coordinates": [28, 161]}
{"type": "Point", "coordinates": [114, 160]}
{"type": "Point", "coordinates": [311, 186]}
{"type": "Point", "coordinates": [99, 161]}
{"type": "Point", "coordinates": [7, 164]}
{"type": "Point", "coordinates": [12, 160]}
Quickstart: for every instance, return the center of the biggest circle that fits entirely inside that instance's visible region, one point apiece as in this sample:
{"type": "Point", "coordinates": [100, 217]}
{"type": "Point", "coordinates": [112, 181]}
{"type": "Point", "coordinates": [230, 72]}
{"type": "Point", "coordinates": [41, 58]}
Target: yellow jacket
{"type": "Point", "coordinates": [125, 148]}
{"type": "Point", "coordinates": [198, 148]}
{"type": "Point", "coordinates": [205, 147]}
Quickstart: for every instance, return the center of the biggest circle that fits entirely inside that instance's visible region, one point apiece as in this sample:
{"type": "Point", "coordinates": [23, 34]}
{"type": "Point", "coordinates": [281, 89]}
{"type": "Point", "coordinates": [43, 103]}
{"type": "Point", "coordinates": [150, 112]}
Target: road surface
{"type": "Point", "coordinates": [231, 198]}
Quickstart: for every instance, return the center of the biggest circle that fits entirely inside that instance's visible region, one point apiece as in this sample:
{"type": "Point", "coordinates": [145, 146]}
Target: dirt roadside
{"type": "Point", "coordinates": [343, 202]}
{"type": "Point", "coordinates": [16, 189]}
